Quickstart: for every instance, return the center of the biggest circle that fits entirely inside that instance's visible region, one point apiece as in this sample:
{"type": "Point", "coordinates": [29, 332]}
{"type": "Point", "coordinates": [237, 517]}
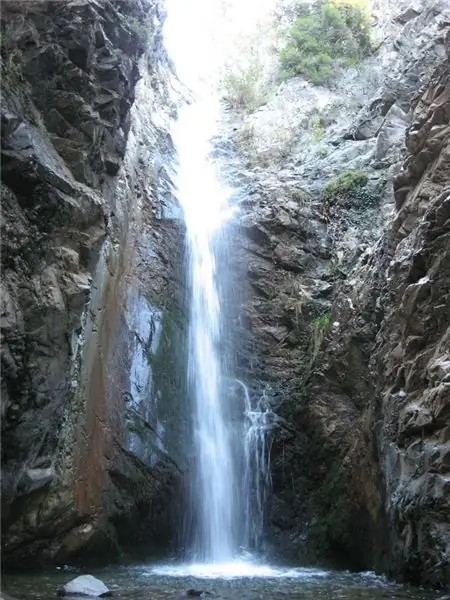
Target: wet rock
{"type": "Point", "coordinates": [78, 221]}
{"type": "Point", "coordinates": [40, 477]}
{"type": "Point", "coordinates": [85, 586]}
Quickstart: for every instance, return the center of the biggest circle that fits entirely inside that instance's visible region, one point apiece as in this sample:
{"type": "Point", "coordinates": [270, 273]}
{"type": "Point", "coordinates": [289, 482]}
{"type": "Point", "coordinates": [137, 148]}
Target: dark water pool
{"type": "Point", "coordinates": [238, 580]}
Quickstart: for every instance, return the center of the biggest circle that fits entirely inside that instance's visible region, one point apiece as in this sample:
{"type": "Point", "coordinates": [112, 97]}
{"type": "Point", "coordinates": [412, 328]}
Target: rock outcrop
{"type": "Point", "coordinates": [378, 399]}
{"type": "Point", "coordinates": [91, 286]}
{"type": "Point", "coordinates": [347, 306]}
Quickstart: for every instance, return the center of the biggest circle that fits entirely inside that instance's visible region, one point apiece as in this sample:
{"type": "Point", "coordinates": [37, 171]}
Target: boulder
{"type": "Point", "coordinates": [85, 585]}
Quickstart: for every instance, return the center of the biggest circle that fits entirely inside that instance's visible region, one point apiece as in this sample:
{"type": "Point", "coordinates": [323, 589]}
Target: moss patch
{"type": "Point", "coordinates": [322, 320]}
{"type": "Point", "coordinates": [344, 182]}
{"type": "Point", "coordinates": [298, 194]}
{"type": "Point", "coordinates": [348, 190]}
{"type": "Point", "coordinates": [319, 327]}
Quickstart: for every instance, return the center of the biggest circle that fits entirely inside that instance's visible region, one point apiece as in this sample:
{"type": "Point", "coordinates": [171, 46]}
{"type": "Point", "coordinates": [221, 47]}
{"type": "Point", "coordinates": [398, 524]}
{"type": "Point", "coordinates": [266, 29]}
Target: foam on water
{"type": "Point", "coordinates": [235, 569]}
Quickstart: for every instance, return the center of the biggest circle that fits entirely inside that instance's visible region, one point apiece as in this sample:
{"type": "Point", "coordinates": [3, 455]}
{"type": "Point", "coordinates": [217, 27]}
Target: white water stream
{"type": "Point", "coordinates": [229, 476]}
{"type": "Point", "coordinates": [205, 206]}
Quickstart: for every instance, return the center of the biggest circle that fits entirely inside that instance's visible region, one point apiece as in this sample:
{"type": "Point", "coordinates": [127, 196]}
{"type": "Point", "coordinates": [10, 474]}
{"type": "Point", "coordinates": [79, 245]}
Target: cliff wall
{"type": "Point", "coordinates": [92, 298]}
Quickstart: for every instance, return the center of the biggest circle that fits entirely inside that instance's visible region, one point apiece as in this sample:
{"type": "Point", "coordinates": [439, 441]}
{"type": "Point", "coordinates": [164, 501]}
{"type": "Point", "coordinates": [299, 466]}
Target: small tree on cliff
{"type": "Point", "coordinates": [325, 34]}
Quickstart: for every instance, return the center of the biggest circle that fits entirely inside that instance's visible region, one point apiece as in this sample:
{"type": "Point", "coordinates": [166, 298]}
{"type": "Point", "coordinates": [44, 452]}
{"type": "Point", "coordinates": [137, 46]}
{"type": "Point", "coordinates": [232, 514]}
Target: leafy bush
{"type": "Point", "coordinates": [362, 5]}
{"type": "Point", "coordinates": [138, 28]}
{"type": "Point", "coordinates": [322, 320]}
{"type": "Point", "coordinates": [326, 34]}
{"type": "Point", "coordinates": [344, 182]}
{"type": "Point", "coordinates": [245, 76]}
{"type": "Point", "coordinates": [241, 88]}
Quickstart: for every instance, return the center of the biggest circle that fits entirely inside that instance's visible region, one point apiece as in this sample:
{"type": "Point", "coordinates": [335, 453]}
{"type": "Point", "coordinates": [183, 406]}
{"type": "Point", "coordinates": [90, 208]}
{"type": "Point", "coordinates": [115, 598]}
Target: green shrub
{"type": "Point", "coordinates": [363, 5]}
{"type": "Point", "coordinates": [135, 26]}
{"type": "Point", "coordinates": [322, 320]}
{"type": "Point", "coordinates": [242, 90]}
{"type": "Point", "coordinates": [318, 128]}
{"type": "Point", "coordinates": [324, 36]}
{"type": "Point", "coordinates": [345, 182]}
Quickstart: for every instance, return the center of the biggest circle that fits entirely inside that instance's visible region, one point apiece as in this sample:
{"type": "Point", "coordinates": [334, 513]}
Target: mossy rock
{"type": "Point", "coordinates": [329, 534]}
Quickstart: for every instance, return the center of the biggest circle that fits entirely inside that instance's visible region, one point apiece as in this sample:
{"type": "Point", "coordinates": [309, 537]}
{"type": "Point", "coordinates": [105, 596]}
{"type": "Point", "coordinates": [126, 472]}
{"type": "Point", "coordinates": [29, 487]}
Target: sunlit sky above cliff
{"type": "Point", "coordinates": [201, 35]}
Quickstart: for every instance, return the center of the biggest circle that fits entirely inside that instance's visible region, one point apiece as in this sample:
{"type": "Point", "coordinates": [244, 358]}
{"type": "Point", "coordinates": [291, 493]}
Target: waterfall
{"type": "Point", "coordinates": [229, 476]}
{"type": "Point", "coordinates": [205, 205]}
{"type": "Point", "coordinates": [259, 420]}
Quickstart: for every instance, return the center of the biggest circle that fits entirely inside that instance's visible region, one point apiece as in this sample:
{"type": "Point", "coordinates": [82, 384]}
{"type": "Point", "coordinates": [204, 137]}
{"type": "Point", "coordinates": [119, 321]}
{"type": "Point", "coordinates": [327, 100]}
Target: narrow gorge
{"type": "Point", "coordinates": [225, 292]}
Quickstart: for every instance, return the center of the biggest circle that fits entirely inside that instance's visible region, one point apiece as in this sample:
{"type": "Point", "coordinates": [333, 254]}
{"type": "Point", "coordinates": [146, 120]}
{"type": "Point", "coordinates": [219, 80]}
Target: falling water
{"type": "Point", "coordinates": [231, 471]}
{"type": "Point", "coordinates": [205, 204]}
{"type": "Point", "coordinates": [259, 420]}
{"type": "Point", "coordinates": [226, 493]}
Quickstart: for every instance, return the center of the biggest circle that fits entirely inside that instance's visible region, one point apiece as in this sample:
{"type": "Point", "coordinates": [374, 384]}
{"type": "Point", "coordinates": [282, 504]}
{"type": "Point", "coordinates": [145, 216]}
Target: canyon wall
{"type": "Point", "coordinates": [92, 292]}
{"type": "Point", "coordinates": [347, 303]}
{"type": "Point", "coordinates": [343, 293]}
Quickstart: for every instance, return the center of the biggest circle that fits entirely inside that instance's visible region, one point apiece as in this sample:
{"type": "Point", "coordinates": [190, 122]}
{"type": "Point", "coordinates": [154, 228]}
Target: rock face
{"type": "Point", "coordinates": [384, 372]}
{"type": "Point", "coordinates": [91, 290]}
{"type": "Point", "coordinates": [345, 306]}
{"type": "Point", "coordinates": [348, 310]}
{"type": "Point", "coordinates": [411, 355]}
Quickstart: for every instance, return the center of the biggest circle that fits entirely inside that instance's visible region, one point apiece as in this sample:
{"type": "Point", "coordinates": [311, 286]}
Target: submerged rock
{"type": "Point", "coordinates": [85, 585]}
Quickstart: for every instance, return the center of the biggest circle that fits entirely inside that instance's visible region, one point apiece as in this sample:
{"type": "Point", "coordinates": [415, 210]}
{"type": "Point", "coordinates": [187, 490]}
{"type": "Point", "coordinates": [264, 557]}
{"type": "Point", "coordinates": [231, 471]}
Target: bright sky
{"type": "Point", "coordinates": [201, 34]}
